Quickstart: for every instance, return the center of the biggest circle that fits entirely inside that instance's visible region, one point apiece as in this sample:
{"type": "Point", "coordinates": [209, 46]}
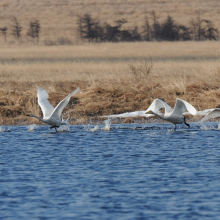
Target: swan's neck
{"type": "Point", "coordinates": [41, 119]}
{"type": "Point", "coordinates": [160, 116]}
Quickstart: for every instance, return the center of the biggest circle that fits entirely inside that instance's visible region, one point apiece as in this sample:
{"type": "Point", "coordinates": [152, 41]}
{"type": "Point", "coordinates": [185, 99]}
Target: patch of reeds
{"type": "Point", "coordinates": [107, 87]}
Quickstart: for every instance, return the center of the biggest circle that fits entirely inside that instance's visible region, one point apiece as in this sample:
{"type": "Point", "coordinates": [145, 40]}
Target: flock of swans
{"type": "Point", "coordinates": [174, 116]}
{"type": "Point", "coordinates": [52, 116]}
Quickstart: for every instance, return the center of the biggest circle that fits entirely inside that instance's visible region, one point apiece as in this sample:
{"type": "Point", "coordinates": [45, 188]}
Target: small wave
{"type": "Point", "coordinates": [32, 127]}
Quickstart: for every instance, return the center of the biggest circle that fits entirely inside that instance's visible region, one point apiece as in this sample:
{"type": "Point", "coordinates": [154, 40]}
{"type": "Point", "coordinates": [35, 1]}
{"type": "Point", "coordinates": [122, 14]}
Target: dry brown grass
{"type": "Point", "coordinates": [190, 71]}
{"type": "Point", "coordinates": [112, 51]}
{"type": "Point", "coordinates": [58, 18]}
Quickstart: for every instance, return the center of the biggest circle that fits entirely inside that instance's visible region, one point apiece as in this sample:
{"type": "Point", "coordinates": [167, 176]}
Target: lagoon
{"type": "Point", "coordinates": [132, 171]}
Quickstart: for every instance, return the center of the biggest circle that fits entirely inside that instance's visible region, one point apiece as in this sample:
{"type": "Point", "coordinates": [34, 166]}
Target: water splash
{"type": "Point", "coordinates": [206, 128]}
{"type": "Point", "coordinates": [32, 127]}
{"type": "Point", "coordinates": [63, 120]}
{"type": "Point", "coordinates": [218, 126]}
{"type": "Point", "coordinates": [2, 129]}
{"type": "Point", "coordinates": [86, 127]}
{"type": "Point", "coordinates": [96, 128]}
{"type": "Point", "coordinates": [107, 125]}
{"type": "Point", "coordinates": [64, 128]}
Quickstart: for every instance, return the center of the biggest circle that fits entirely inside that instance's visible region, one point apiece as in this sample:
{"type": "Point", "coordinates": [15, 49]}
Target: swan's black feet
{"type": "Point", "coordinates": [186, 123]}
{"type": "Point", "coordinates": [55, 127]}
{"type": "Point", "coordinates": [175, 128]}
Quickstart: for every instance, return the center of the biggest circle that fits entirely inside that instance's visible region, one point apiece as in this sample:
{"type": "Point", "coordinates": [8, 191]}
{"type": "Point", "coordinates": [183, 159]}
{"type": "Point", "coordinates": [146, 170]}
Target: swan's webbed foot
{"type": "Point", "coordinates": [55, 127]}
{"type": "Point", "coordinates": [186, 123]}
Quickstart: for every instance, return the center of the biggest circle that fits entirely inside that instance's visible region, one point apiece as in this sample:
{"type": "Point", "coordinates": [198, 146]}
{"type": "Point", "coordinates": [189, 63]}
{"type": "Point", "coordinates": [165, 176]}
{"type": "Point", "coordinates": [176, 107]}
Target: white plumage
{"type": "Point", "coordinates": [213, 114]}
{"type": "Point", "coordinates": [43, 102]}
{"type": "Point", "coordinates": [52, 115]}
{"type": "Point", "coordinates": [175, 115]}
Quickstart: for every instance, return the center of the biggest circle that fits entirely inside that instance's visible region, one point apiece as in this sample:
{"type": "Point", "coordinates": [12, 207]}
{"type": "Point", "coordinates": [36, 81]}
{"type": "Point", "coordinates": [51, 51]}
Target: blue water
{"type": "Point", "coordinates": [130, 172]}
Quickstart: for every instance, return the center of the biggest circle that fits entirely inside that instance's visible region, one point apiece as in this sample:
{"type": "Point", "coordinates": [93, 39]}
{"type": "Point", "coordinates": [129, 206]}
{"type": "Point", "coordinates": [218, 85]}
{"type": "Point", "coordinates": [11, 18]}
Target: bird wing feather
{"type": "Point", "coordinates": [157, 104]}
{"type": "Point", "coordinates": [181, 106]}
{"type": "Point", "coordinates": [43, 102]}
{"type": "Point", "coordinates": [213, 114]}
{"type": "Point", "coordinates": [62, 104]}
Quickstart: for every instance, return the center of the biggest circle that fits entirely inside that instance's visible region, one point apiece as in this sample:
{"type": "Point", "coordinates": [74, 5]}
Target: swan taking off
{"type": "Point", "coordinates": [213, 114]}
{"type": "Point", "coordinates": [175, 115]}
{"type": "Point", "coordinates": [51, 115]}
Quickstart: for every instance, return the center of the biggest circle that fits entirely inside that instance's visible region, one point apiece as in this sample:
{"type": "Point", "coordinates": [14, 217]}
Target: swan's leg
{"type": "Point", "coordinates": [186, 123]}
{"type": "Point", "coordinates": [175, 128]}
{"type": "Point", "coordinates": [55, 127]}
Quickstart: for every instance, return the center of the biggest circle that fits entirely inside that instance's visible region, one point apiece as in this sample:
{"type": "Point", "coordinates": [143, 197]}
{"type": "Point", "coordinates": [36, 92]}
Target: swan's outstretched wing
{"type": "Point", "coordinates": [181, 106]}
{"type": "Point", "coordinates": [43, 102]}
{"type": "Point", "coordinates": [201, 113]}
{"type": "Point", "coordinates": [157, 104]}
{"type": "Point", "coordinates": [127, 115]}
{"type": "Point", "coordinates": [213, 114]}
{"type": "Point", "coordinates": [62, 104]}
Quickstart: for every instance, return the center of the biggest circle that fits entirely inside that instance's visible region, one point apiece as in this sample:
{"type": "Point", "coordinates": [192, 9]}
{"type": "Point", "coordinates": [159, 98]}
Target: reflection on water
{"type": "Point", "coordinates": [138, 171]}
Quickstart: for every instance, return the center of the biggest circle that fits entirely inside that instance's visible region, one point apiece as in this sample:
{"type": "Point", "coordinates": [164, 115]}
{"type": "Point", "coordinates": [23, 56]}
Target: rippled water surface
{"type": "Point", "coordinates": [130, 172]}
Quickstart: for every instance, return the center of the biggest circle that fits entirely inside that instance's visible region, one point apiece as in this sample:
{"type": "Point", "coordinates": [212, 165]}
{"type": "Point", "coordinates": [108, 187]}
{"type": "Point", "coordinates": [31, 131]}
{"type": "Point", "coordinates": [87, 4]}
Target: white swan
{"type": "Point", "coordinates": [51, 115]}
{"type": "Point", "coordinates": [175, 115]}
{"type": "Point", "coordinates": [213, 114]}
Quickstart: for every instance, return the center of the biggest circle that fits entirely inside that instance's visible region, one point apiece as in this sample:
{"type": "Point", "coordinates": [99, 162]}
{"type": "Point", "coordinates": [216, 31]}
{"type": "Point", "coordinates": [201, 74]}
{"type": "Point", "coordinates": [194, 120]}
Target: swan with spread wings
{"type": "Point", "coordinates": [175, 116]}
{"type": "Point", "coordinates": [51, 115]}
{"type": "Point", "coordinates": [215, 113]}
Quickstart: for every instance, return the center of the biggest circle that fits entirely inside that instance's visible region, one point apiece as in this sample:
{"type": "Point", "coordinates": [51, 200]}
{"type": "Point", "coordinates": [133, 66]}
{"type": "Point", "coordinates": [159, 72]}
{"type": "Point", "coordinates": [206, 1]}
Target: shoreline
{"type": "Point", "coordinates": [100, 121]}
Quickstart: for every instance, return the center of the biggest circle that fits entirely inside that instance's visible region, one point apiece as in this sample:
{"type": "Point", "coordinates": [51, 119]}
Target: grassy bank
{"type": "Point", "coordinates": [114, 78]}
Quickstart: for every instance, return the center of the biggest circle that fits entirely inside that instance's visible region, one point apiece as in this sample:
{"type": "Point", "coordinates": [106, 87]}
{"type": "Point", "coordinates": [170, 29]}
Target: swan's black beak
{"type": "Point", "coordinates": [28, 115]}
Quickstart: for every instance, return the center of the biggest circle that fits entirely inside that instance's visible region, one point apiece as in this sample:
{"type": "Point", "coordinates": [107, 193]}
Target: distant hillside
{"type": "Point", "coordinates": [58, 19]}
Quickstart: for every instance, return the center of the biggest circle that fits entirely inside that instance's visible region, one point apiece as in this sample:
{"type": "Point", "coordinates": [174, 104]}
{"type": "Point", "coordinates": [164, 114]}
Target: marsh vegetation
{"type": "Point", "coordinates": [113, 77]}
